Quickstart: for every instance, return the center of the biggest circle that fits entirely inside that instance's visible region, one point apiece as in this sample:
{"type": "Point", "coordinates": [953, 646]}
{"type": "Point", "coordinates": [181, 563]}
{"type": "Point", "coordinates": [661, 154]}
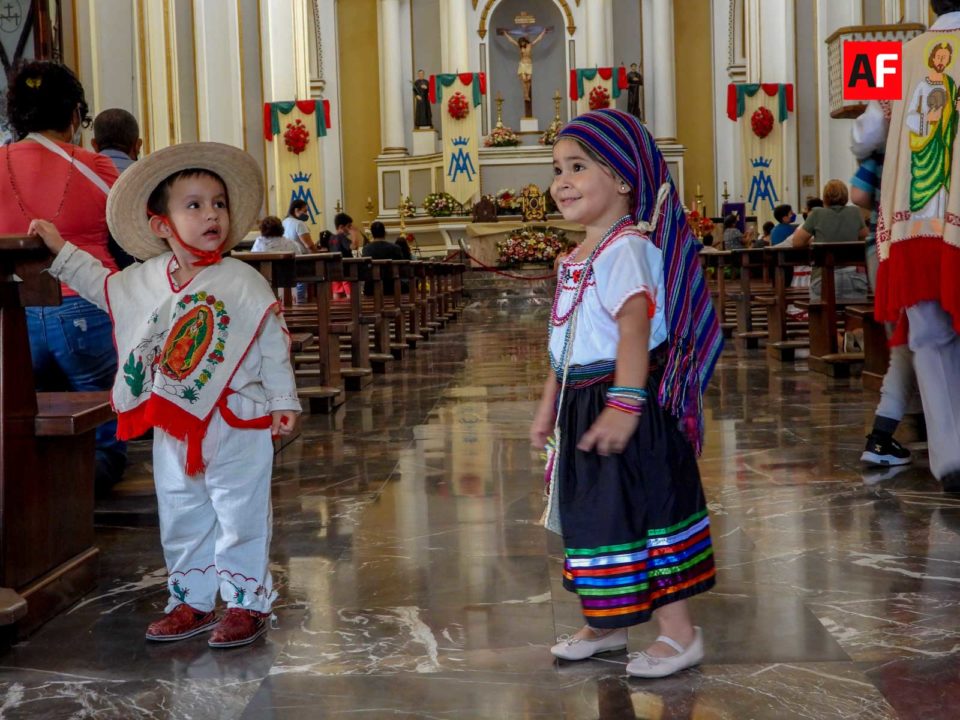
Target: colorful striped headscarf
{"type": "Point", "coordinates": [694, 336]}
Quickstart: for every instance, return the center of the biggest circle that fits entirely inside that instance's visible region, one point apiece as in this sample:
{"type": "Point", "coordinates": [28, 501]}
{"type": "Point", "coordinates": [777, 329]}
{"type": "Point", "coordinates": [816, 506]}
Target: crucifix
{"type": "Point", "coordinates": [524, 44]}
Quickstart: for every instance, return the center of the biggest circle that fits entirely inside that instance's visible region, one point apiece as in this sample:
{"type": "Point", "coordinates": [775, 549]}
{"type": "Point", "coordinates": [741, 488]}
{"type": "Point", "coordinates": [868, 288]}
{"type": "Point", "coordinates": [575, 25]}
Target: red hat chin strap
{"type": "Point", "coordinates": [204, 258]}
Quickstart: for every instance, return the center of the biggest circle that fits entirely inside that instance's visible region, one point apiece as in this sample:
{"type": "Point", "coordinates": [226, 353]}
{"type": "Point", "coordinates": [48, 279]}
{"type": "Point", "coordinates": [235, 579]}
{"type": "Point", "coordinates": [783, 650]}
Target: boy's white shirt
{"type": "Point", "coordinates": [264, 373]}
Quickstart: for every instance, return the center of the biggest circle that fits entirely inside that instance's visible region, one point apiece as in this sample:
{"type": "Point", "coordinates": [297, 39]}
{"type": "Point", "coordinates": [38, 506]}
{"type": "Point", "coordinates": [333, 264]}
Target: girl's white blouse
{"type": "Point", "coordinates": [630, 265]}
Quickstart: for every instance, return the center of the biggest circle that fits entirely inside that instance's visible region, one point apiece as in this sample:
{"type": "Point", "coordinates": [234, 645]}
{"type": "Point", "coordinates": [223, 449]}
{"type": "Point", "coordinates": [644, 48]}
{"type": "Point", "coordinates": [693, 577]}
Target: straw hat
{"type": "Point", "coordinates": [127, 202]}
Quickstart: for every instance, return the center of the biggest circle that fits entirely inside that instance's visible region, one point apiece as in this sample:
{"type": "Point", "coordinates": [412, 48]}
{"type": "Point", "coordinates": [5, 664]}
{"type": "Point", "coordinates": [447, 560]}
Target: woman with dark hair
{"type": "Point", "coordinates": [295, 226]}
{"type": "Point", "coordinates": [44, 174]}
{"type": "Point", "coordinates": [324, 243]}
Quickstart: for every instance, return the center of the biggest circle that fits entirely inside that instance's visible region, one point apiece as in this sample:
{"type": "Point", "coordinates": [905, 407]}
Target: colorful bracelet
{"type": "Point", "coordinates": [625, 407]}
{"type": "Point", "coordinates": [637, 392]}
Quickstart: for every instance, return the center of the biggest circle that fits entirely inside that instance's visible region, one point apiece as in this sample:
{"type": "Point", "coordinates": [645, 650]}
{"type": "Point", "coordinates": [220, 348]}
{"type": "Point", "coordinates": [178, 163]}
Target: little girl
{"type": "Point", "coordinates": [633, 342]}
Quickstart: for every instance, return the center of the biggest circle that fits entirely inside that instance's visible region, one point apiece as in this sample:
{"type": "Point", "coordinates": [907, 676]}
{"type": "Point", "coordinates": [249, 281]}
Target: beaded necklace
{"type": "Point", "coordinates": [555, 318]}
{"type": "Point", "coordinates": [19, 199]}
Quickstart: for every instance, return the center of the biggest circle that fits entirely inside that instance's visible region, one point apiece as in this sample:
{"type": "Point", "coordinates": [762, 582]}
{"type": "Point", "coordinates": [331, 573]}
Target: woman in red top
{"type": "Point", "coordinates": [45, 174]}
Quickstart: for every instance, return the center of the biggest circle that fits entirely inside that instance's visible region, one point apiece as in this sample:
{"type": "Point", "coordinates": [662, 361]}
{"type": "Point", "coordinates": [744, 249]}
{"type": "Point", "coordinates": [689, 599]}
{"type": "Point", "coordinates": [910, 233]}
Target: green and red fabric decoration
{"type": "Point", "coordinates": [320, 109]}
{"type": "Point", "coordinates": [761, 122]}
{"type": "Point", "coordinates": [476, 81]}
{"type": "Point", "coordinates": [599, 98]}
{"type": "Point", "coordinates": [580, 75]}
{"type": "Point", "coordinates": [458, 106]}
{"type": "Point", "coordinates": [737, 94]}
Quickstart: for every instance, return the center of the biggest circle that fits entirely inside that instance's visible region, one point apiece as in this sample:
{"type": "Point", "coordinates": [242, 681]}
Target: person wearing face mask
{"type": "Point", "coordinates": [45, 174]}
{"type": "Point", "coordinates": [295, 226]}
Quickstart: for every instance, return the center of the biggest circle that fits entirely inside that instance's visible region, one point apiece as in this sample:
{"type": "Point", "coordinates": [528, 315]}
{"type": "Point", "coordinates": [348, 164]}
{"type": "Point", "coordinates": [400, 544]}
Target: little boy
{"type": "Point", "coordinates": [204, 362]}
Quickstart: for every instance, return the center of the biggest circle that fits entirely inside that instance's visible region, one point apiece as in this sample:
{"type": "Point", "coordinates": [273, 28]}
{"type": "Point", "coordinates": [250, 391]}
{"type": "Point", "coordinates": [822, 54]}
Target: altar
{"type": "Point", "coordinates": [482, 238]}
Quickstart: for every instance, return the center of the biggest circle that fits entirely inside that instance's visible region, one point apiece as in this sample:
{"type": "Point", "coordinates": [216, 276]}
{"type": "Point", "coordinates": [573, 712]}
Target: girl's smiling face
{"type": "Point", "coordinates": [586, 191]}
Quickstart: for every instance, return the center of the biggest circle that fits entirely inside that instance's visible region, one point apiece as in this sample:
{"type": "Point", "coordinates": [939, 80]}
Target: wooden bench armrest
{"type": "Point", "coordinates": [71, 413]}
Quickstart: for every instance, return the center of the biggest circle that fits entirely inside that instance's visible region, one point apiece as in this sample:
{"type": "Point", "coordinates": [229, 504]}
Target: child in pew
{"type": "Point", "coordinates": [204, 357]}
{"type": "Point", "coordinates": [633, 342]}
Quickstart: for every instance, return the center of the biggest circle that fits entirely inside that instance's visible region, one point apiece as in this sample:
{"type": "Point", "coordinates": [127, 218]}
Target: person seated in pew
{"type": "Point", "coordinates": [272, 239]}
{"type": "Point", "coordinates": [295, 226]}
{"type": "Point", "coordinates": [733, 239]}
{"type": "Point", "coordinates": [205, 363]}
{"type": "Point", "coordinates": [380, 249]}
{"type": "Point", "coordinates": [765, 238]}
{"type": "Point", "coordinates": [342, 242]}
{"type": "Point", "coordinates": [834, 222]}
{"type": "Point", "coordinates": [323, 242]}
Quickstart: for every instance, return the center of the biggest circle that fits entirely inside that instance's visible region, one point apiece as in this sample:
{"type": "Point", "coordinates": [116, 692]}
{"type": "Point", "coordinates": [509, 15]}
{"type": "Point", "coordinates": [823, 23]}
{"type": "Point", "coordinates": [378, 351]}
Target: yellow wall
{"type": "Point", "coordinates": [695, 101]}
{"type": "Point", "coordinates": [359, 103]}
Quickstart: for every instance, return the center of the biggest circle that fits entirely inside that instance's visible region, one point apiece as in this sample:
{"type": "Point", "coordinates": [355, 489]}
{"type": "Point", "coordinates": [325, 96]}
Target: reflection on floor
{"type": "Point", "coordinates": [416, 584]}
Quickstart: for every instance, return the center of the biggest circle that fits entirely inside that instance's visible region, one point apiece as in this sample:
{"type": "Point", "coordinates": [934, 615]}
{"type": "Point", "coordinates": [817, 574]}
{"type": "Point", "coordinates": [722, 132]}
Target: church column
{"type": "Point", "coordinates": [597, 45]}
{"type": "Point", "coordinates": [664, 77]}
{"type": "Point", "coordinates": [458, 49]}
{"type": "Point", "coordinates": [391, 84]}
{"type": "Point", "coordinates": [219, 75]}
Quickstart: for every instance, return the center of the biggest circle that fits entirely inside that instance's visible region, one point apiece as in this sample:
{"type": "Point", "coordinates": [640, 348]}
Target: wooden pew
{"type": "Point", "coordinates": [719, 260]}
{"type": "Point", "coordinates": [309, 325]}
{"type": "Point", "coordinates": [47, 557]}
{"type": "Point", "coordinates": [784, 338]}
{"type": "Point", "coordinates": [826, 315]}
{"type": "Point", "coordinates": [750, 294]}
{"type": "Point", "coordinates": [876, 351]}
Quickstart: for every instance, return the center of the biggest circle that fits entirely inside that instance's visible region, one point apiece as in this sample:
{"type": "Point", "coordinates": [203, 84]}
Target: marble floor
{"type": "Point", "coordinates": [415, 583]}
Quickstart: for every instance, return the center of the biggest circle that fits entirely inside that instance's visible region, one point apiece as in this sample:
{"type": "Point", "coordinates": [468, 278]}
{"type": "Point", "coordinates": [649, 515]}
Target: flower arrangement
{"type": "Point", "coordinates": [762, 122]}
{"type": "Point", "coordinates": [296, 137]}
{"type": "Point", "coordinates": [700, 224]}
{"type": "Point", "coordinates": [507, 201]}
{"type": "Point", "coordinates": [458, 106]}
{"type": "Point", "coordinates": [440, 204]}
{"type": "Point", "coordinates": [549, 136]}
{"type": "Point", "coordinates": [599, 98]}
{"type": "Point", "coordinates": [531, 245]}
{"type": "Point", "coordinates": [502, 136]}
{"type": "Point", "coordinates": [406, 207]}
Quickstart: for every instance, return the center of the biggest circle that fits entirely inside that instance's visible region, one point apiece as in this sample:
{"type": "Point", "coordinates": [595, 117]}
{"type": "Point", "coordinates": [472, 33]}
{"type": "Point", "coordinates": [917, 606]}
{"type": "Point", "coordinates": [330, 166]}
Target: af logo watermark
{"type": "Point", "coordinates": [872, 70]}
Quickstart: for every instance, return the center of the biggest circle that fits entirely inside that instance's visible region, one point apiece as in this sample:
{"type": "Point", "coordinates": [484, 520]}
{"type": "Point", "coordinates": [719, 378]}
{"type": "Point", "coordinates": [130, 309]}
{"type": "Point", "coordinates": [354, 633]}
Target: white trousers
{"type": "Point", "coordinates": [216, 526]}
{"type": "Point", "coordinates": [936, 359]}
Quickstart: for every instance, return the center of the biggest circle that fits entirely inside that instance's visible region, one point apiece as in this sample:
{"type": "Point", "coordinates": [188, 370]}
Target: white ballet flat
{"type": "Point", "coordinates": [647, 666]}
{"type": "Point", "coordinates": [570, 648]}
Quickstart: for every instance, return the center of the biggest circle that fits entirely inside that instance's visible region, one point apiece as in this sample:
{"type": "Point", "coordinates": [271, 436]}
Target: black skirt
{"type": "Point", "coordinates": [636, 533]}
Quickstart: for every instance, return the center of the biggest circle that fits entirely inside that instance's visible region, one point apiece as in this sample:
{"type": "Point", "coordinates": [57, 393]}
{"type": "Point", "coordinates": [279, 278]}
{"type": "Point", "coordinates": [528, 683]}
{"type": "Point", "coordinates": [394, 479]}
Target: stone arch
{"type": "Point", "coordinates": [488, 6]}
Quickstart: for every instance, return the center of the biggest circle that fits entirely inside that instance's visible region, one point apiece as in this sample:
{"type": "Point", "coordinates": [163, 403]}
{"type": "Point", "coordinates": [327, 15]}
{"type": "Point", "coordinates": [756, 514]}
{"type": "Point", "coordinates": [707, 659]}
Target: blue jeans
{"type": "Point", "coordinates": [72, 349]}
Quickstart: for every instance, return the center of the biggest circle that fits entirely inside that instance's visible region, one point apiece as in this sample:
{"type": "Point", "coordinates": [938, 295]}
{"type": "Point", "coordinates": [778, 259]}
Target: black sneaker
{"type": "Point", "coordinates": [884, 450]}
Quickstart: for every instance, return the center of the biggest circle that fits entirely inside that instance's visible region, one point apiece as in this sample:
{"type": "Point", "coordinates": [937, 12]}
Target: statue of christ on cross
{"type": "Point", "coordinates": [525, 68]}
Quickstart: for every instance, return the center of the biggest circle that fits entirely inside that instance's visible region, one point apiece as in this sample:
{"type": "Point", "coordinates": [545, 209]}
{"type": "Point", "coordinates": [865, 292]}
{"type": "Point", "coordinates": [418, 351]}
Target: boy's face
{"type": "Point", "coordinates": [197, 208]}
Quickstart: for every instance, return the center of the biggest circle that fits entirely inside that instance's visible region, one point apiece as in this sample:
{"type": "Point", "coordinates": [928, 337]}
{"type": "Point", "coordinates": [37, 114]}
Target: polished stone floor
{"type": "Point", "coordinates": [415, 583]}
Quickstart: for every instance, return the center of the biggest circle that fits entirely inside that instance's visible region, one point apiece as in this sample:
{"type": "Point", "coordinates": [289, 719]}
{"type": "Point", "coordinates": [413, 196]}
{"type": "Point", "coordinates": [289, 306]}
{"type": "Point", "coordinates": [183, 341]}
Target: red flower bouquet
{"type": "Point", "coordinates": [458, 106]}
{"type": "Point", "coordinates": [762, 122]}
{"type": "Point", "coordinates": [296, 137]}
{"type": "Point", "coordinates": [599, 98]}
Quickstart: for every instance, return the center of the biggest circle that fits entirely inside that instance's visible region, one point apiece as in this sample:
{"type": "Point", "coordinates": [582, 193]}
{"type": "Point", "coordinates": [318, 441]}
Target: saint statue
{"type": "Point", "coordinates": [525, 68]}
{"type": "Point", "coordinates": [634, 84]}
{"type": "Point", "coordinates": [422, 113]}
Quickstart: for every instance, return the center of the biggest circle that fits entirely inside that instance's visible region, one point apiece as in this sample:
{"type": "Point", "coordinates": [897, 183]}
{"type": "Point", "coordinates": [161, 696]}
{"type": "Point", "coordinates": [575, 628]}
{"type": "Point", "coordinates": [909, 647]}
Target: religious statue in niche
{"type": "Point", "coordinates": [520, 37]}
{"type": "Point", "coordinates": [634, 92]}
{"type": "Point", "coordinates": [422, 113]}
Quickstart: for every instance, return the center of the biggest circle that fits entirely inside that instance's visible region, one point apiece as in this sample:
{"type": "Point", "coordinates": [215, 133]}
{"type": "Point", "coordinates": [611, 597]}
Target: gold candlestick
{"type": "Point", "coordinates": [499, 110]}
{"type": "Point", "coordinates": [557, 98]}
{"type": "Point", "coordinates": [725, 195]}
{"type": "Point", "coordinates": [339, 207]}
{"type": "Point", "coordinates": [370, 207]}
